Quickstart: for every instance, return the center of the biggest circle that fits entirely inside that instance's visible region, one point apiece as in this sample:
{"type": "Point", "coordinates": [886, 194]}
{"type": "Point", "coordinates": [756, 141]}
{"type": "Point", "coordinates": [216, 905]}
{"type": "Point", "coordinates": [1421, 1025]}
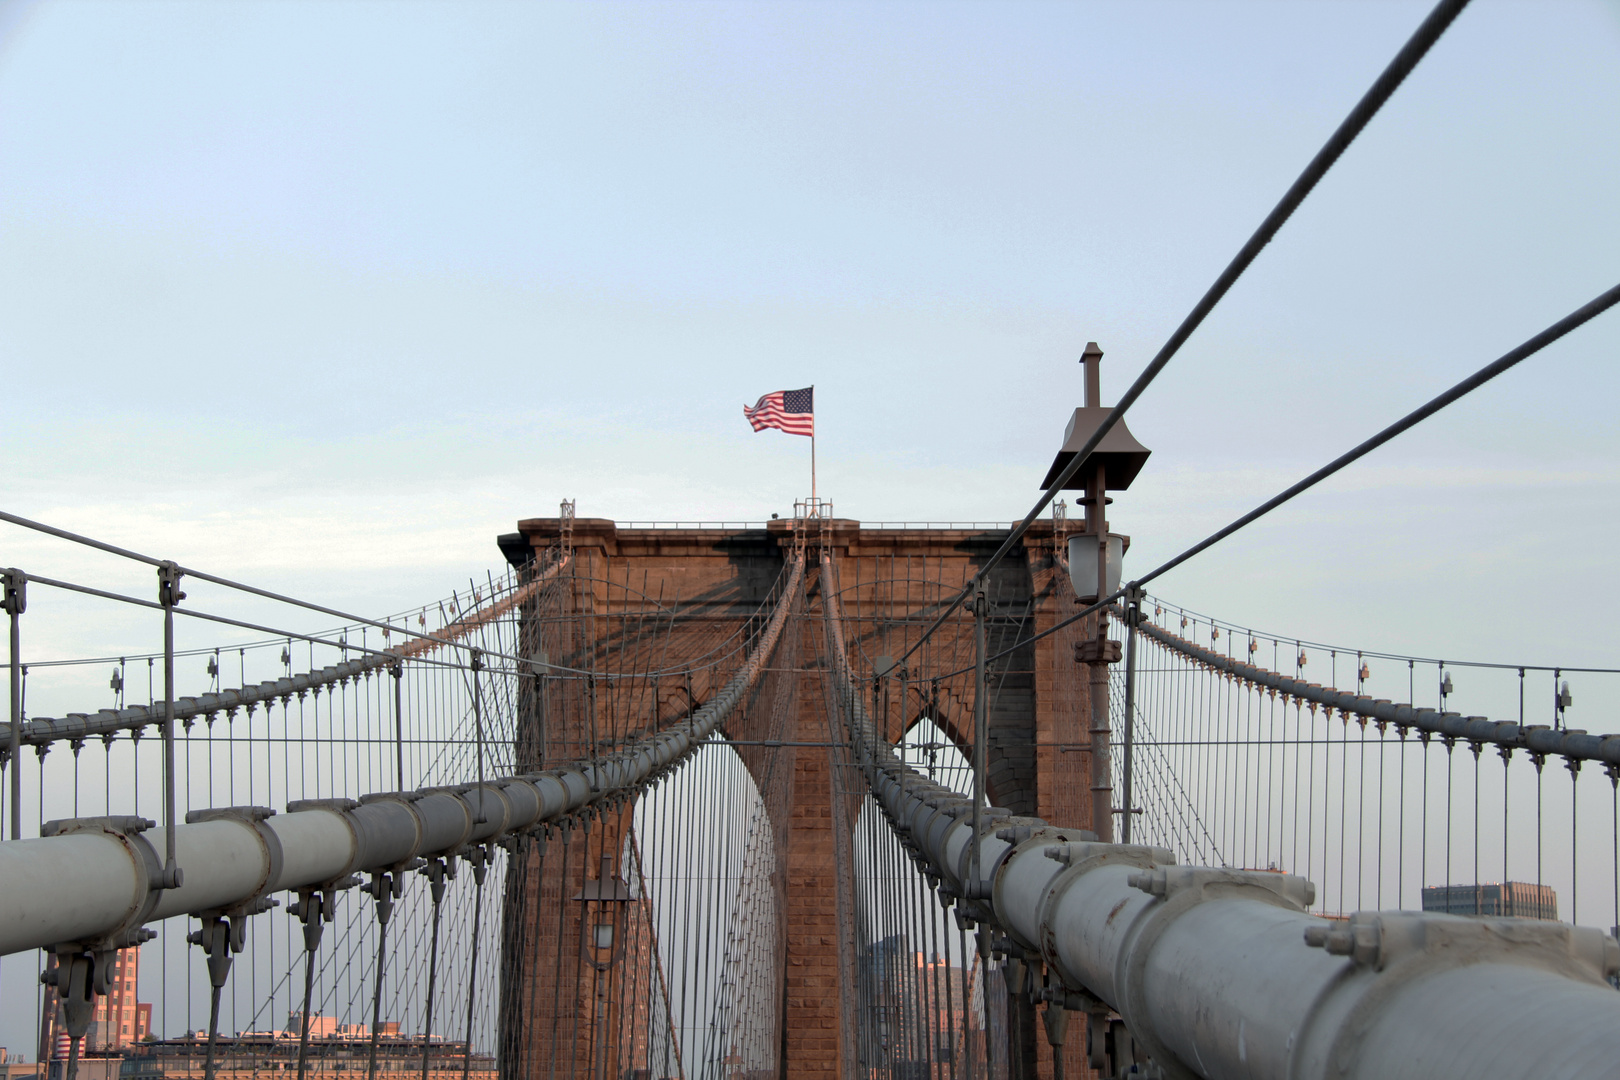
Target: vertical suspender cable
{"type": "Point", "coordinates": [562, 909]}
{"type": "Point", "coordinates": [480, 871]}
{"type": "Point", "coordinates": [310, 907]}
{"type": "Point", "coordinates": [435, 871]}
{"type": "Point", "coordinates": [382, 888]}
{"type": "Point", "coordinates": [579, 958]}
{"type": "Point", "coordinates": [968, 968]}
{"type": "Point", "coordinates": [169, 595]}
{"type": "Point", "coordinates": [532, 1026]}
{"type": "Point", "coordinates": [397, 669]}
{"type": "Point", "coordinates": [1133, 615]}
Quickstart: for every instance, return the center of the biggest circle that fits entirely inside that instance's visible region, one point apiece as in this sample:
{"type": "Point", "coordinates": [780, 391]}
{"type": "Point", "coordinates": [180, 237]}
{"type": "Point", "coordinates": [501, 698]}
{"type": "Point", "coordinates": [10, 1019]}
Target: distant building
{"type": "Point", "coordinates": [918, 1024]}
{"type": "Point", "coordinates": [273, 1055]}
{"type": "Point", "coordinates": [320, 1027]}
{"type": "Point", "coordinates": [119, 1021]}
{"type": "Point", "coordinates": [16, 1066]}
{"type": "Point", "coordinates": [119, 1046]}
{"type": "Point", "coordinates": [1515, 899]}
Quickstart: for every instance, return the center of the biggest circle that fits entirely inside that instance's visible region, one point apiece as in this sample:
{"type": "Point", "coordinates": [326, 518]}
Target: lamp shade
{"type": "Point", "coordinates": [1083, 564]}
{"type": "Point", "coordinates": [1119, 452]}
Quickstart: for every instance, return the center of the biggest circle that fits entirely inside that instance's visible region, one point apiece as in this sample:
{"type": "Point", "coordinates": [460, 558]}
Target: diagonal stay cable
{"type": "Point", "coordinates": [1572, 321]}
{"type": "Point", "coordinates": [423, 640]}
{"type": "Point", "coordinates": [1186, 803]}
{"type": "Point", "coordinates": [136, 556]}
{"type": "Point", "coordinates": [381, 656]}
{"type": "Point", "coordinates": [1382, 89]}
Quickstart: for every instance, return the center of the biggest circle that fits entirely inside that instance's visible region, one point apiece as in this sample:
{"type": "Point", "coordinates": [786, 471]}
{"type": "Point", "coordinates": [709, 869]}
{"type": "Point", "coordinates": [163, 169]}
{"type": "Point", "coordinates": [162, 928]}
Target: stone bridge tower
{"type": "Point", "coordinates": [894, 581]}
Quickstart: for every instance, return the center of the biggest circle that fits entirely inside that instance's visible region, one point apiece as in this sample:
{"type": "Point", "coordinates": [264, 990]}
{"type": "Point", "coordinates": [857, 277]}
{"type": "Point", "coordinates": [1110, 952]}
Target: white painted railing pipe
{"type": "Point", "coordinates": [90, 882]}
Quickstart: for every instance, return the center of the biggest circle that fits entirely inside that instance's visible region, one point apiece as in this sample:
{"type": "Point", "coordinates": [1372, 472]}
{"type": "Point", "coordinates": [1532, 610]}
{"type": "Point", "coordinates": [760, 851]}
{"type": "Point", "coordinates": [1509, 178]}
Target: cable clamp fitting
{"type": "Point", "coordinates": [1171, 881]}
{"type": "Point", "coordinates": [169, 575]}
{"type": "Point", "coordinates": [16, 591]}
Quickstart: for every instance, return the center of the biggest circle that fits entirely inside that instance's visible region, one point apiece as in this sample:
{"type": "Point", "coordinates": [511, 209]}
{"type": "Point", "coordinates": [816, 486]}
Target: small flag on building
{"type": "Point", "coordinates": [792, 411]}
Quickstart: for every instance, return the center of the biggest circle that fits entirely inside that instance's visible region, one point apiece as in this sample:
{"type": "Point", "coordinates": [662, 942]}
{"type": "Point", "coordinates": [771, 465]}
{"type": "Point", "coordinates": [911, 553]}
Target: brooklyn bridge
{"type": "Point", "coordinates": [805, 796]}
{"type": "Point", "coordinates": [701, 801]}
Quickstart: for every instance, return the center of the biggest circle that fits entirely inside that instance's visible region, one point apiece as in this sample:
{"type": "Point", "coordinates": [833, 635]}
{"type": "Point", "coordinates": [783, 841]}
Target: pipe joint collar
{"type": "Point", "coordinates": [1178, 889]}
{"type": "Point", "coordinates": [252, 818]}
{"type": "Point", "coordinates": [1382, 940]}
{"type": "Point", "coordinates": [1018, 879]}
{"type": "Point", "coordinates": [1390, 951]}
{"type": "Point", "coordinates": [1080, 858]}
{"type": "Point", "coordinates": [1209, 883]}
{"type": "Point", "coordinates": [126, 829]}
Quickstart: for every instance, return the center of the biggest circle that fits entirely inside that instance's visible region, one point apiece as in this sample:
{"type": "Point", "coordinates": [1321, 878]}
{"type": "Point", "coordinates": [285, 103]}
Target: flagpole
{"type": "Point", "coordinates": [813, 444]}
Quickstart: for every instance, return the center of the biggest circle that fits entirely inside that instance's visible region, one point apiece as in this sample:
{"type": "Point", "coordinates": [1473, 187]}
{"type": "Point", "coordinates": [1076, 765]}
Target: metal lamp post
{"type": "Point", "coordinates": [606, 898]}
{"type": "Point", "coordinates": [602, 921]}
{"type": "Point", "coordinates": [1095, 559]}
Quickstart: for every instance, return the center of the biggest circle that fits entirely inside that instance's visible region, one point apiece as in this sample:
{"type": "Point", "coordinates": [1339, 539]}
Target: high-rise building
{"type": "Point", "coordinates": [1515, 899]}
{"type": "Point", "coordinates": [120, 1020]}
{"type": "Point", "coordinates": [921, 1014]}
{"type": "Point", "coordinates": [336, 1055]}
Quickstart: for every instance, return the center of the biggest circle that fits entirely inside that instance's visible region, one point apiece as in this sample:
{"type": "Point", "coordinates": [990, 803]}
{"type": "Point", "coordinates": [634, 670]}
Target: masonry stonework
{"type": "Point", "coordinates": [894, 583]}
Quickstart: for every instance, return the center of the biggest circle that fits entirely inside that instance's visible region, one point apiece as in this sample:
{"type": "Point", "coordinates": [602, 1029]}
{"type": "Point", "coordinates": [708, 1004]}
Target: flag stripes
{"type": "Point", "coordinates": [792, 411]}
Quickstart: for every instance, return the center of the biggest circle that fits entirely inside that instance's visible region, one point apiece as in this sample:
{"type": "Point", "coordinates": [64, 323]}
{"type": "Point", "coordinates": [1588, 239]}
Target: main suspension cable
{"type": "Point", "coordinates": [186, 571]}
{"type": "Point", "coordinates": [1381, 90]}
{"type": "Point", "coordinates": [1575, 319]}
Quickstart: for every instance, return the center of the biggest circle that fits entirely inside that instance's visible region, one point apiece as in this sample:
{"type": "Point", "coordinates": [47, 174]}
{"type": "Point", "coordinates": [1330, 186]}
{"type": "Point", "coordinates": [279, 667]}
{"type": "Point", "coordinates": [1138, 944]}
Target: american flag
{"type": "Point", "coordinates": [792, 411]}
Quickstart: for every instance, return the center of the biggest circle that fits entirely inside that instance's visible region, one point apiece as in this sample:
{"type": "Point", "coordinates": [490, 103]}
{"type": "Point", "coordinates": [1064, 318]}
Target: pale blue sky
{"type": "Point", "coordinates": [327, 295]}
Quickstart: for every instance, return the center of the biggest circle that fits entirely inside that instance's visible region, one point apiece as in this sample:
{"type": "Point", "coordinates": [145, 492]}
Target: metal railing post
{"type": "Point", "coordinates": [981, 734]}
{"type": "Point", "coordinates": [16, 602]}
{"type": "Point", "coordinates": [169, 595]}
{"type": "Point", "coordinates": [1102, 786]}
{"type": "Point", "coordinates": [397, 669]}
{"type": "Point", "coordinates": [477, 665]}
{"type": "Point", "coordinates": [1133, 615]}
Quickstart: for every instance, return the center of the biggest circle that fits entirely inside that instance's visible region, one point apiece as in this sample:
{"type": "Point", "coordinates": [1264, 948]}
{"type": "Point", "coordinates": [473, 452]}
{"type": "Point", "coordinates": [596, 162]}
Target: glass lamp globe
{"type": "Point", "coordinates": [1083, 564]}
